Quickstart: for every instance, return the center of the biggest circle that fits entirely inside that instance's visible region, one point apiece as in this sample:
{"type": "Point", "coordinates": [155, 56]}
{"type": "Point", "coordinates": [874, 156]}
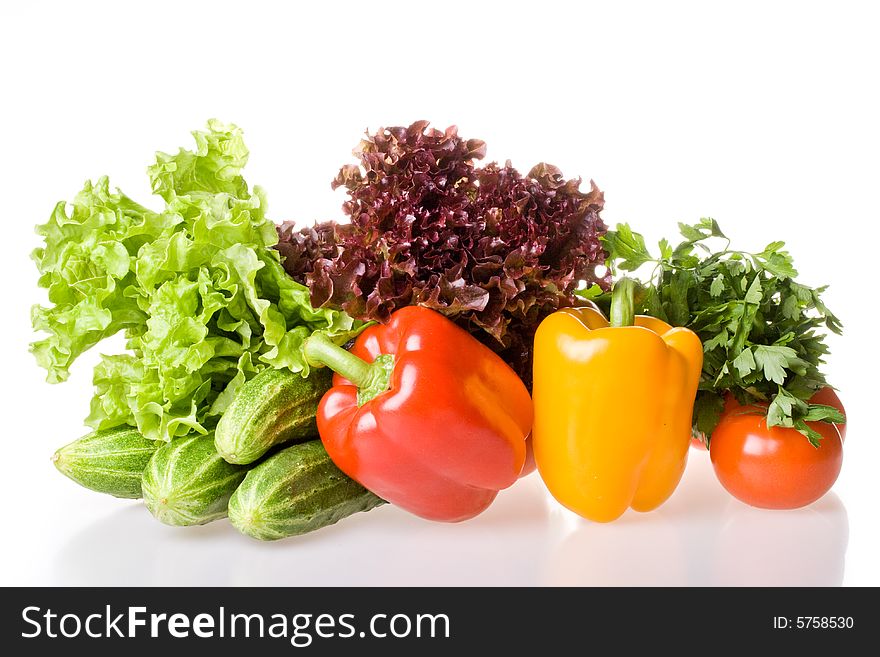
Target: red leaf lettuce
{"type": "Point", "coordinates": [492, 249]}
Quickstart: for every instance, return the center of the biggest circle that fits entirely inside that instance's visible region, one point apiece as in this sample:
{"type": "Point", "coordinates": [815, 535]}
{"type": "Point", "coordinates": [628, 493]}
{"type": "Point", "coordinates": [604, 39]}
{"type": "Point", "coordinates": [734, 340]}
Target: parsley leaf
{"type": "Point", "coordinates": [628, 247]}
{"type": "Point", "coordinates": [745, 362]}
{"type": "Point", "coordinates": [774, 360]}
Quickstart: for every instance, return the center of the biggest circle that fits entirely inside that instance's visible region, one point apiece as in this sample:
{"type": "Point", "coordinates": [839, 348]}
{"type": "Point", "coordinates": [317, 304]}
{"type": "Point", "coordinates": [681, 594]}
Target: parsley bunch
{"type": "Point", "coordinates": [763, 333]}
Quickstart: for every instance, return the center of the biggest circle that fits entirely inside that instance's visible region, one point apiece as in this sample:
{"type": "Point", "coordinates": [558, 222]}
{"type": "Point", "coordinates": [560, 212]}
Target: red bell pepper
{"type": "Point", "coordinates": [423, 415]}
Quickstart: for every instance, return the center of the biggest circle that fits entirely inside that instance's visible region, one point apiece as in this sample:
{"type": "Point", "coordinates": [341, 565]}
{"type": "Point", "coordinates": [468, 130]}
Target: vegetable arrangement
{"type": "Point", "coordinates": [463, 316]}
{"type": "Point", "coordinates": [757, 323]}
{"type": "Point", "coordinates": [761, 393]}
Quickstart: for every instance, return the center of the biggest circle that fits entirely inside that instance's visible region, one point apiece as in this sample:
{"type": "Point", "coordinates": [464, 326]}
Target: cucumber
{"type": "Point", "coordinates": [187, 482]}
{"type": "Point", "coordinates": [276, 406]}
{"type": "Point", "coordinates": [109, 461]}
{"type": "Point", "coordinates": [296, 491]}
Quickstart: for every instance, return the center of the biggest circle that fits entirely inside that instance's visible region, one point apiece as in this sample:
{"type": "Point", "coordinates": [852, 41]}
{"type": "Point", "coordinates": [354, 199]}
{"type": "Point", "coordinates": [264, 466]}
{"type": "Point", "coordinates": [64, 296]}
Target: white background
{"type": "Point", "coordinates": [763, 115]}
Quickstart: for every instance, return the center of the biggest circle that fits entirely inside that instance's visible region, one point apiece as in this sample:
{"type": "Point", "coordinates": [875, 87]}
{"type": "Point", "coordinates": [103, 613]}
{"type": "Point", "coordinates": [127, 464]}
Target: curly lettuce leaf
{"type": "Point", "coordinates": [201, 297]}
{"type": "Point", "coordinates": [214, 167]}
{"type": "Point", "coordinates": [87, 264]}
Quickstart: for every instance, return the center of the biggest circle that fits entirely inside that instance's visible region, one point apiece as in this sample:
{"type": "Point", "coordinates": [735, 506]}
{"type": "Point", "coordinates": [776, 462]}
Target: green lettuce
{"type": "Point", "coordinates": [202, 299]}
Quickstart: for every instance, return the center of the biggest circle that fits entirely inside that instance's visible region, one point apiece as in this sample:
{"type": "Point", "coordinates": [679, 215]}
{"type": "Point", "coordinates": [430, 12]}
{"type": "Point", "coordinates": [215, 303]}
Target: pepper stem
{"type": "Point", "coordinates": [622, 304]}
{"type": "Point", "coordinates": [371, 379]}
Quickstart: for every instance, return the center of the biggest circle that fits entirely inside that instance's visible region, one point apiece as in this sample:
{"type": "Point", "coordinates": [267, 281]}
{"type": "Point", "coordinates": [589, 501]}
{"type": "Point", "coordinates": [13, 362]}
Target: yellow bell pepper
{"type": "Point", "coordinates": [613, 405]}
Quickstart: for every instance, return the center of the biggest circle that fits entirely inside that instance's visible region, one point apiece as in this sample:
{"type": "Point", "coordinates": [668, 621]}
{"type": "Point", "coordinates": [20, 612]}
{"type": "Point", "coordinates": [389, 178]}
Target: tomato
{"type": "Point", "coordinates": [697, 443]}
{"type": "Point", "coordinates": [773, 467]}
{"type": "Point", "coordinates": [828, 397]}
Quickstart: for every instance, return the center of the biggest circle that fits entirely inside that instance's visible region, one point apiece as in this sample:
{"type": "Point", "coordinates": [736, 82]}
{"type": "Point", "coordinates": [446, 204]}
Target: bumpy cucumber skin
{"type": "Point", "coordinates": [188, 483]}
{"type": "Point", "coordinates": [109, 461]}
{"type": "Point", "coordinates": [295, 491]}
{"type": "Point", "coordinates": [275, 407]}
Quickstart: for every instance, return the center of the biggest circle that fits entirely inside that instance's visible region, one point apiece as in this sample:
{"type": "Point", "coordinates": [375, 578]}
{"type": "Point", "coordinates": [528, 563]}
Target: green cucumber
{"type": "Point", "coordinates": [296, 491]}
{"type": "Point", "coordinates": [108, 461]}
{"type": "Point", "coordinates": [187, 482]}
{"type": "Point", "coordinates": [276, 406]}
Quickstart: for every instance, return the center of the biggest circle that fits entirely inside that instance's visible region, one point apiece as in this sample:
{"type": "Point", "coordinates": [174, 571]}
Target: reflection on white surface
{"type": "Point", "coordinates": [645, 552]}
{"type": "Point", "coordinates": [701, 536]}
{"type": "Point", "coordinates": [383, 547]}
{"type": "Point", "coordinates": [805, 547]}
